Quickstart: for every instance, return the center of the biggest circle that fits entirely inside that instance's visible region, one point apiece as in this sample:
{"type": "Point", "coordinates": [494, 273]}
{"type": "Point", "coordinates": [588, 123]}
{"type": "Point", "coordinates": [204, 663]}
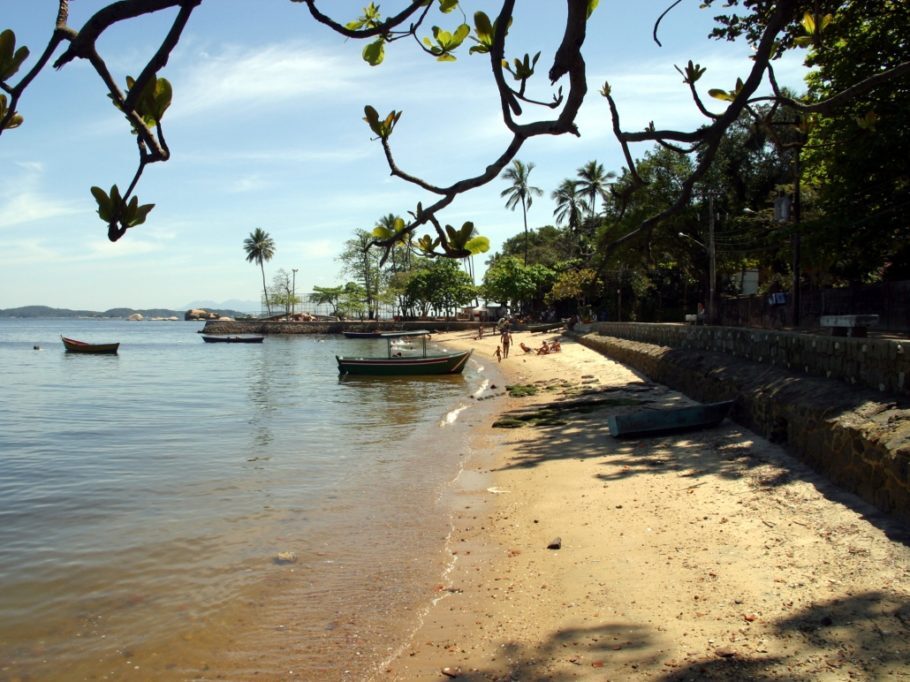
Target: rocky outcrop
{"type": "Point", "coordinates": [199, 314]}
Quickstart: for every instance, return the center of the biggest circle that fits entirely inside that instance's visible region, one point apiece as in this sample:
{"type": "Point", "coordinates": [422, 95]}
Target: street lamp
{"type": "Point", "coordinates": [293, 289]}
{"type": "Point", "coordinates": [712, 257]}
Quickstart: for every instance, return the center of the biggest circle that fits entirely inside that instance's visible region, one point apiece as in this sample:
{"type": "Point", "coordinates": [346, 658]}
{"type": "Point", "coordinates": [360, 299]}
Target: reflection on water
{"type": "Point", "coordinates": [145, 496]}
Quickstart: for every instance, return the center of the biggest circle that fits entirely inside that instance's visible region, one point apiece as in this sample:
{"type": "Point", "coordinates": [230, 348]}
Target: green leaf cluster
{"type": "Point", "coordinates": [524, 68]}
{"type": "Point", "coordinates": [727, 95]}
{"type": "Point", "coordinates": [465, 239]}
{"type": "Point", "coordinates": [693, 73]}
{"type": "Point", "coordinates": [382, 128]}
{"type": "Point", "coordinates": [114, 209]}
{"type": "Point", "coordinates": [153, 101]}
{"type": "Point", "coordinates": [15, 121]}
{"type": "Point", "coordinates": [484, 30]}
{"type": "Point", "coordinates": [427, 244]}
{"type": "Point", "coordinates": [446, 43]}
{"type": "Point", "coordinates": [10, 58]}
{"type": "Point", "coordinates": [370, 19]}
{"type": "Point", "coordinates": [813, 24]}
{"type": "Point", "coordinates": [373, 53]}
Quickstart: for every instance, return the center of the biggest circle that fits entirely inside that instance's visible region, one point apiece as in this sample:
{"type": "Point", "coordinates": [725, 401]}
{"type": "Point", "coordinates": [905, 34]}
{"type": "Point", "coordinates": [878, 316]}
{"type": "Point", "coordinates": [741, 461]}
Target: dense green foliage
{"type": "Point", "coordinates": [858, 161]}
{"type": "Point", "coordinates": [844, 160]}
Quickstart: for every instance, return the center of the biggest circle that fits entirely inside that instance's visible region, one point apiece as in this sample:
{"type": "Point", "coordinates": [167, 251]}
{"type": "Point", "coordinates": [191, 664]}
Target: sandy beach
{"type": "Point", "coordinates": [707, 555]}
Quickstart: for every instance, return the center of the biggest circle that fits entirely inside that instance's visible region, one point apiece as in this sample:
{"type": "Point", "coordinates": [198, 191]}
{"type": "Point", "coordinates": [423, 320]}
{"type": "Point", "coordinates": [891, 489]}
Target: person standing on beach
{"type": "Point", "coordinates": [505, 338]}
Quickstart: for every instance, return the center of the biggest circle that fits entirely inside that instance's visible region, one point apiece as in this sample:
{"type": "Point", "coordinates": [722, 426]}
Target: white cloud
{"type": "Point", "coordinates": [242, 77]}
{"type": "Point", "coordinates": [105, 249]}
{"type": "Point", "coordinates": [29, 207]}
{"type": "Point", "coordinates": [286, 154]}
{"type": "Point", "coordinates": [248, 183]}
{"type": "Point", "coordinates": [23, 201]}
{"type": "Point", "coordinates": [16, 253]}
{"type": "Point", "coordinates": [319, 248]}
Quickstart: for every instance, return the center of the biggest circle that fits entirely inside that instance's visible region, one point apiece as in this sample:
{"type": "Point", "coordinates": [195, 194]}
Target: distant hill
{"type": "Point", "coordinates": [252, 307]}
{"type": "Point", "coordinates": [35, 311]}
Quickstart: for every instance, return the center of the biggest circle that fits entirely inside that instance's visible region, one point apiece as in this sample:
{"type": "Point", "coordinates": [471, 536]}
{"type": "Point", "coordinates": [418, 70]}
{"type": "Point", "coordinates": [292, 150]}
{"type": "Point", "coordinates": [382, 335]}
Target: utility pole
{"type": "Point", "coordinates": [794, 239]}
{"type": "Point", "coordinates": [712, 264]}
{"type": "Point", "coordinates": [293, 290]}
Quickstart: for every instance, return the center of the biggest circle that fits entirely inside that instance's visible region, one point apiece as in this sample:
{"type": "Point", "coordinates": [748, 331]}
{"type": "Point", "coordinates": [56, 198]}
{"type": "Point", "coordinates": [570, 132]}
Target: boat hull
{"type": "Point", "coordinates": [233, 339]}
{"type": "Point", "coordinates": [74, 346]}
{"type": "Point", "coordinates": [449, 363]}
{"type": "Point", "coordinates": [362, 335]}
{"type": "Point", "coordinates": [654, 422]}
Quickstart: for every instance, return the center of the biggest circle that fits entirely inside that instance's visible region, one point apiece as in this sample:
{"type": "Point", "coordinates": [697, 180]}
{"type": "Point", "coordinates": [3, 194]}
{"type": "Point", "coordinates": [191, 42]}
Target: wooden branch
{"type": "Point", "coordinates": [711, 136]}
{"type": "Point", "coordinates": [659, 19]}
{"type": "Point", "coordinates": [569, 50]}
{"type": "Point", "coordinates": [160, 59]}
{"type": "Point", "coordinates": [382, 29]}
{"type": "Point", "coordinates": [855, 90]}
{"type": "Point", "coordinates": [61, 32]}
{"type": "Point", "coordinates": [84, 42]}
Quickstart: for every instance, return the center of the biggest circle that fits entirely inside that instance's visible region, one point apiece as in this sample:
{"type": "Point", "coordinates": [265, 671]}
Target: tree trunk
{"type": "Point", "coordinates": [524, 213]}
{"type": "Point", "coordinates": [265, 291]}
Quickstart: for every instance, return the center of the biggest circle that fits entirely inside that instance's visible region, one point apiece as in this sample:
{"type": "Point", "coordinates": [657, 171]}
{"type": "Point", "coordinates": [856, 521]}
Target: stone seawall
{"type": "Point", "coordinates": [858, 437]}
{"type": "Point", "coordinates": [881, 364]}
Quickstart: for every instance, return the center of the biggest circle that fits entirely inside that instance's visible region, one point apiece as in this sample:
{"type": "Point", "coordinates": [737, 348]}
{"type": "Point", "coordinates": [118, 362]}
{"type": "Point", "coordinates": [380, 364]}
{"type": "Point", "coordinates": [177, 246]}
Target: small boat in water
{"type": "Point", "coordinates": [75, 346]}
{"type": "Point", "coordinates": [363, 335]}
{"type": "Point", "coordinates": [232, 339]}
{"type": "Point", "coordinates": [654, 422]}
{"type": "Point", "coordinates": [397, 363]}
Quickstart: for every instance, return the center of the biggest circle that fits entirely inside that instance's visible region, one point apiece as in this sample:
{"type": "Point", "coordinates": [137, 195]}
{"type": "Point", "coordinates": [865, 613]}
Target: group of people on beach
{"type": "Point", "coordinates": [545, 348]}
{"type": "Point", "coordinates": [505, 343]}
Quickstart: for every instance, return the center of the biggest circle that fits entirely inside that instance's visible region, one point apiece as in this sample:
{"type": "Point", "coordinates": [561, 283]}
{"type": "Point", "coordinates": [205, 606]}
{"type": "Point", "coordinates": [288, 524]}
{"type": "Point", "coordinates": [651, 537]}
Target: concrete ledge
{"type": "Point", "coordinates": [859, 439]}
{"type": "Point", "coordinates": [881, 364]}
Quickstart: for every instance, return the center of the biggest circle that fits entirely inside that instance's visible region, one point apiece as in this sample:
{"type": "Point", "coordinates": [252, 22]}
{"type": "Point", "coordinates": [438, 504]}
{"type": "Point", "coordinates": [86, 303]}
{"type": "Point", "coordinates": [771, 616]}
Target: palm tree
{"type": "Point", "coordinates": [569, 206]}
{"type": "Point", "coordinates": [569, 203]}
{"type": "Point", "coordinates": [520, 192]}
{"type": "Point", "coordinates": [593, 183]}
{"type": "Point", "coordinates": [260, 248]}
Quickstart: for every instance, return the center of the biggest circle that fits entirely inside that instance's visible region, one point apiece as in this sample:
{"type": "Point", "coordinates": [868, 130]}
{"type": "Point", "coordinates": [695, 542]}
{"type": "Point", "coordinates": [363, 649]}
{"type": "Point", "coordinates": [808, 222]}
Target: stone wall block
{"type": "Point", "coordinates": [854, 437]}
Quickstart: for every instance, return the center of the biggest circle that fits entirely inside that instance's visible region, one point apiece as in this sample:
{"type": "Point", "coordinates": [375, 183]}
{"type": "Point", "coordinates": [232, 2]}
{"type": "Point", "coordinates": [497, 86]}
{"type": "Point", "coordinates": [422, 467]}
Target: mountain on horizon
{"type": "Point", "coordinates": [35, 311]}
{"type": "Point", "coordinates": [247, 306]}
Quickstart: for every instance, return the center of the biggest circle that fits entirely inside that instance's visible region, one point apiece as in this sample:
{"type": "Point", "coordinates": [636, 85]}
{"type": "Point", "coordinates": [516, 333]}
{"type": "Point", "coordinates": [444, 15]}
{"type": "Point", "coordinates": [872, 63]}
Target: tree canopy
{"type": "Point", "coordinates": [834, 31]}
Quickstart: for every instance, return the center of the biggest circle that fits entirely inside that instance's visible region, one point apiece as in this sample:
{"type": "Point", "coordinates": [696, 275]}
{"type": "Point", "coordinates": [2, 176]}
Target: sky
{"type": "Point", "coordinates": [266, 130]}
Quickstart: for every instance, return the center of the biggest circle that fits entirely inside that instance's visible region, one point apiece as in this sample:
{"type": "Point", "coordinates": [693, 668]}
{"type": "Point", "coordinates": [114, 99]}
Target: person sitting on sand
{"type": "Point", "coordinates": [544, 349]}
{"type": "Point", "coordinates": [525, 348]}
{"type": "Point", "coordinates": [554, 346]}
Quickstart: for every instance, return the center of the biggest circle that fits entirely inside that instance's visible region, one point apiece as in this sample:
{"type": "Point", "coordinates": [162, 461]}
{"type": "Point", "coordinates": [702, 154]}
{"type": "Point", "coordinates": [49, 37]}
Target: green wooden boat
{"type": "Point", "coordinates": [397, 363]}
{"type": "Point", "coordinates": [655, 422]}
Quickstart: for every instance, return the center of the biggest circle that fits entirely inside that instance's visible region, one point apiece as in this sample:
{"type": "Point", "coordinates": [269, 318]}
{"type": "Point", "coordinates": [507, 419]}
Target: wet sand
{"type": "Point", "coordinates": [708, 555]}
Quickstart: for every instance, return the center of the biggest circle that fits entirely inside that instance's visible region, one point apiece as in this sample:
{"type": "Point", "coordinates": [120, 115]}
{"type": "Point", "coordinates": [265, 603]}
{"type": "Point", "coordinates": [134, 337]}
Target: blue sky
{"type": "Point", "coordinates": [266, 131]}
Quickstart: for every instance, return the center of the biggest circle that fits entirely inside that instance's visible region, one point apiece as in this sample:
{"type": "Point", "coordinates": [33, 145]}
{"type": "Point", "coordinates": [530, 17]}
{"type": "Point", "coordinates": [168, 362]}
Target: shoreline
{"type": "Point", "coordinates": [710, 555]}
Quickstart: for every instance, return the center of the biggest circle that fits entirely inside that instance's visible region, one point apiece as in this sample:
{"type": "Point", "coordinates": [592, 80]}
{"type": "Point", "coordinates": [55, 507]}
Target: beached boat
{"type": "Point", "coordinates": [539, 327]}
{"type": "Point", "coordinates": [362, 335]}
{"type": "Point", "coordinates": [233, 339]}
{"type": "Point", "coordinates": [648, 422]}
{"type": "Point", "coordinates": [397, 363]}
{"type": "Point", "coordinates": [75, 346]}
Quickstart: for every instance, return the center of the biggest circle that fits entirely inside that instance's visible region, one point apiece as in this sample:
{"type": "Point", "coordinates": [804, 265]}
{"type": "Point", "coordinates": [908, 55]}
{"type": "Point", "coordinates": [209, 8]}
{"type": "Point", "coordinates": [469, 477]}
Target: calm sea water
{"type": "Point", "coordinates": [144, 498]}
